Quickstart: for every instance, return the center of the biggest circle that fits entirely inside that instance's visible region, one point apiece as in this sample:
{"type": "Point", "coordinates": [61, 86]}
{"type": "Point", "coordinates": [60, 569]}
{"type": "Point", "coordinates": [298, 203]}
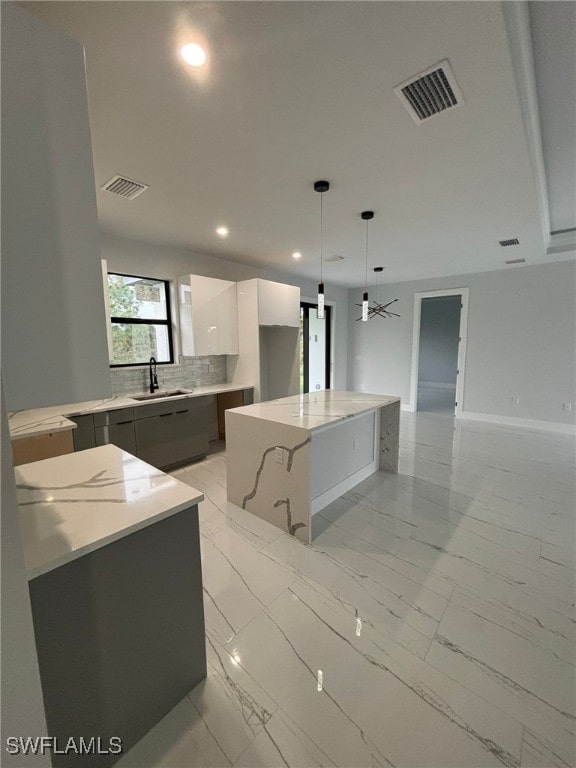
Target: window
{"type": "Point", "coordinates": [140, 320]}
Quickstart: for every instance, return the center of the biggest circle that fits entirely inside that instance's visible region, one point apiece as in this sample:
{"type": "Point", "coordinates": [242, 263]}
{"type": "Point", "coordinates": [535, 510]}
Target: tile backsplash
{"type": "Point", "coordinates": [190, 372]}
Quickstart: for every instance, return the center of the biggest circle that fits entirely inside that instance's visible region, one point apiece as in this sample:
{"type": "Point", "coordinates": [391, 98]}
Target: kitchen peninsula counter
{"type": "Point", "coordinates": [75, 504]}
{"type": "Point", "coordinates": [289, 458]}
{"type": "Point", "coordinates": [112, 553]}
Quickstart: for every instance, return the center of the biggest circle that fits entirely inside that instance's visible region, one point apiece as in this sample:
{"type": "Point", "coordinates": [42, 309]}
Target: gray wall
{"type": "Point", "coordinates": [53, 328]}
{"type": "Point", "coordinates": [22, 704]}
{"type": "Point", "coordinates": [439, 331]}
{"type": "Point", "coordinates": [521, 341]}
{"type": "Point", "coordinates": [133, 257]}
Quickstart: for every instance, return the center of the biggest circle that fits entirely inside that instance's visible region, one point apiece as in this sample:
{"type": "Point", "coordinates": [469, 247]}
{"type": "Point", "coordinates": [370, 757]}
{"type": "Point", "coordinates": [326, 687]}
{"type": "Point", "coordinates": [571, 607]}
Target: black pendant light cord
{"type": "Point", "coordinates": [321, 235]}
{"type": "Point", "coordinates": [321, 186]}
{"type": "Point", "coordinates": [366, 273]}
{"type": "Point", "coordinates": [366, 216]}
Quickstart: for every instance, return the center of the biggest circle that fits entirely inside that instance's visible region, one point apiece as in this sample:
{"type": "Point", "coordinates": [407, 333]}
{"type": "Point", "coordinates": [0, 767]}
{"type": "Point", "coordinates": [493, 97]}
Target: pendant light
{"type": "Point", "coordinates": [321, 186]}
{"type": "Point", "coordinates": [366, 216]}
{"type": "Point", "coordinates": [379, 309]}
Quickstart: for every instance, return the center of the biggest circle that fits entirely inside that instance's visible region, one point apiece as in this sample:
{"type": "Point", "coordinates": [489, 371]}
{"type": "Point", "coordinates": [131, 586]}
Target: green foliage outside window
{"type": "Point", "coordinates": [132, 343]}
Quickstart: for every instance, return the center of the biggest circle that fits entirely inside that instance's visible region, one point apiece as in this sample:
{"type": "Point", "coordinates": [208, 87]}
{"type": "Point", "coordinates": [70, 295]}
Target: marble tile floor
{"type": "Point", "coordinates": [430, 624]}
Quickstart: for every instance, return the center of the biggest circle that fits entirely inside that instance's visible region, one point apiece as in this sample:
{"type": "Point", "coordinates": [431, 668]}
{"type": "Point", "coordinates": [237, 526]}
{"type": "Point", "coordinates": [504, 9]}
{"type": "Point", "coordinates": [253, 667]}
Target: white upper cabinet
{"type": "Point", "coordinates": [278, 304]}
{"type": "Point", "coordinates": [208, 316]}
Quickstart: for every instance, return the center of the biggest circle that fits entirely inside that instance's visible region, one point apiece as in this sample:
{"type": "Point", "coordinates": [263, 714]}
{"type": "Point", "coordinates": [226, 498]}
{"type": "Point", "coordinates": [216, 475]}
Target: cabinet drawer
{"type": "Point", "coordinates": [119, 416]}
{"type": "Point", "coordinates": [169, 406]}
{"type": "Point", "coordinates": [172, 438]}
{"type": "Point", "coordinates": [121, 435]}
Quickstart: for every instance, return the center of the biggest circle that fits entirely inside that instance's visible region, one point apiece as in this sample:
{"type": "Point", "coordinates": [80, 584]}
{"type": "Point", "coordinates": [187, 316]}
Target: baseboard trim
{"type": "Point", "coordinates": [513, 421]}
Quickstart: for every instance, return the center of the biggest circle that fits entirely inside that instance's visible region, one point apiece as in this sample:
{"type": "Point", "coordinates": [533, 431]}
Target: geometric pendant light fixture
{"type": "Point", "coordinates": [321, 186]}
{"type": "Point", "coordinates": [378, 309]}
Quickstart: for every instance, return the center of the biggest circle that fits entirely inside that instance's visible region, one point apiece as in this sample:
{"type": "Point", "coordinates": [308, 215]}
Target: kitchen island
{"type": "Point", "coordinates": [287, 459]}
{"type": "Point", "coordinates": [112, 554]}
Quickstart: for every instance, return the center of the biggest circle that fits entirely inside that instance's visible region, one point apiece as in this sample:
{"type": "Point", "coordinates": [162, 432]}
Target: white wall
{"type": "Point", "coordinates": [53, 323]}
{"type": "Point", "coordinates": [134, 257]}
{"type": "Point", "coordinates": [22, 704]}
{"type": "Point", "coordinates": [439, 330]}
{"type": "Point", "coordinates": [521, 342]}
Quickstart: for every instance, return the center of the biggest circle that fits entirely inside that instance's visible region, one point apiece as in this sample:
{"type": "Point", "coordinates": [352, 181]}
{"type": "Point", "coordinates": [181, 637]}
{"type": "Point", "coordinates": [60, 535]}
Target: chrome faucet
{"type": "Point", "coordinates": [153, 376]}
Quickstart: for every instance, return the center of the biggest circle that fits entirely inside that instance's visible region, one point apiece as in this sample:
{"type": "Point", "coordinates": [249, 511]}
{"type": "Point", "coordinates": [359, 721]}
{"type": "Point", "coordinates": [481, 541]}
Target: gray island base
{"type": "Point", "coordinates": [113, 555]}
{"type": "Point", "coordinates": [287, 459]}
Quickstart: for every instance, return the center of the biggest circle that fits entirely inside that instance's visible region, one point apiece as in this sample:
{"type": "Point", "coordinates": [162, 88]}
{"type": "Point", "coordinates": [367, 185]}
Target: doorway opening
{"type": "Point", "coordinates": [315, 346]}
{"type": "Point", "coordinates": [439, 345]}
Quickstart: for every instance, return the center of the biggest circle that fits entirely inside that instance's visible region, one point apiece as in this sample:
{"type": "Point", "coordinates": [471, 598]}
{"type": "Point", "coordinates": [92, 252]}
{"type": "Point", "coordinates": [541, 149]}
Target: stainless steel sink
{"type": "Point", "coordinates": [161, 395]}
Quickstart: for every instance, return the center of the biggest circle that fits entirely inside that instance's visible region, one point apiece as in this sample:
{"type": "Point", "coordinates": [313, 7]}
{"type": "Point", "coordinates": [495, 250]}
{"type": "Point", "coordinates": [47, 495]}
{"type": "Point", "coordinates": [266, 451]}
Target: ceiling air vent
{"type": "Point", "coordinates": [120, 185]}
{"type": "Point", "coordinates": [515, 261]}
{"type": "Point", "coordinates": [507, 243]}
{"type": "Point", "coordinates": [336, 257]}
{"type": "Point", "coordinates": [430, 92]}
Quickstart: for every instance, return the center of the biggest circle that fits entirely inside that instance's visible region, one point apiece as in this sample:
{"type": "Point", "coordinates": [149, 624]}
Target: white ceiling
{"type": "Point", "coordinates": [298, 91]}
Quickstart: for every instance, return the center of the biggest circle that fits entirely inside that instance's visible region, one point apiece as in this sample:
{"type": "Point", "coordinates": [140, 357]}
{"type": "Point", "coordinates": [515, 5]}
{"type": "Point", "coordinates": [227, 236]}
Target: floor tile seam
{"type": "Point", "coordinates": [389, 567]}
{"type": "Point", "coordinates": [448, 602]}
{"type": "Point", "coordinates": [260, 602]}
{"type": "Point", "coordinates": [541, 596]}
{"type": "Point", "coordinates": [361, 652]}
{"type": "Point", "coordinates": [508, 629]}
{"type": "Point", "coordinates": [489, 700]}
{"type": "Point", "coordinates": [241, 755]}
{"type": "Point", "coordinates": [220, 747]}
{"type": "Point", "coordinates": [221, 613]}
{"type": "Point", "coordinates": [358, 579]}
{"type": "Point", "coordinates": [224, 674]}
{"type": "Point", "coordinates": [498, 573]}
{"type": "Point", "coordinates": [506, 549]}
{"type": "Point", "coordinates": [499, 605]}
{"type": "Point", "coordinates": [367, 541]}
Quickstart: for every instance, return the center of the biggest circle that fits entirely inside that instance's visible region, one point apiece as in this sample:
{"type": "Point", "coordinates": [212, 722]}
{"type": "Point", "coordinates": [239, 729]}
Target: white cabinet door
{"type": "Point", "coordinates": [278, 304]}
{"type": "Point", "coordinates": [208, 316]}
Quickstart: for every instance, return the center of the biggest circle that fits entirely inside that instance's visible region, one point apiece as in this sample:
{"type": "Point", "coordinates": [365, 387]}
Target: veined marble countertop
{"type": "Point", "coordinates": [33, 422]}
{"type": "Point", "coordinates": [75, 504]}
{"type": "Point", "coordinates": [316, 409]}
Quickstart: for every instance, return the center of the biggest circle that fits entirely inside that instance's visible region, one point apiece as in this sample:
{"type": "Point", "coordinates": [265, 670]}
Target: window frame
{"type": "Point", "coordinates": [142, 321]}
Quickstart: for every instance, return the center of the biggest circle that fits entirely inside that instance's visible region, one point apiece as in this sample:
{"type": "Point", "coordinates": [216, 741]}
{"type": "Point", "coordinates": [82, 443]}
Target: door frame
{"type": "Point", "coordinates": [307, 305]}
{"type": "Point", "coordinates": [460, 378]}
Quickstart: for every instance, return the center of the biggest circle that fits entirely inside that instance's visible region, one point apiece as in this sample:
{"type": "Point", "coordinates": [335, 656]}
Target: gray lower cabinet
{"type": "Point", "coordinates": [165, 434]}
{"type": "Point", "coordinates": [170, 439]}
{"type": "Point", "coordinates": [122, 435]}
{"type": "Point", "coordinates": [120, 636]}
{"type": "Point", "coordinates": [116, 427]}
{"type": "Point", "coordinates": [83, 436]}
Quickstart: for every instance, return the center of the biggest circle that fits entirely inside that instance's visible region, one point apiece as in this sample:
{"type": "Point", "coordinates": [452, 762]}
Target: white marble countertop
{"type": "Point", "coordinates": [33, 422]}
{"type": "Point", "coordinates": [74, 504]}
{"type": "Point", "coordinates": [316, 410]}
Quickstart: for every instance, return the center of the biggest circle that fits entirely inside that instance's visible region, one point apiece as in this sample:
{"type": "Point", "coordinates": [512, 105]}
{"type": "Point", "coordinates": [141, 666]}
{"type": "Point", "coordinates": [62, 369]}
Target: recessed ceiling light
{"type": "Point", "coordinates": [222, 231]}
{"type": "Point", "coordinates": [296, 255]}
{"type": "Point", "coordinates": [193, 54]}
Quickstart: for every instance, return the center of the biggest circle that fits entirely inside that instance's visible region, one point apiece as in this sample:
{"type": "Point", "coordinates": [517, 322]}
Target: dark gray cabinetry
{"type": "Point", "coordinates": [120, 636]}
{"type": "Point", "coordinates": [116, 427]}
{"type": "Point", "coordinates": [83, 436]}
{"type": "Point", "coordinates": [169, 434]}
{"type": "Point", "coordinates": [165, 434]}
